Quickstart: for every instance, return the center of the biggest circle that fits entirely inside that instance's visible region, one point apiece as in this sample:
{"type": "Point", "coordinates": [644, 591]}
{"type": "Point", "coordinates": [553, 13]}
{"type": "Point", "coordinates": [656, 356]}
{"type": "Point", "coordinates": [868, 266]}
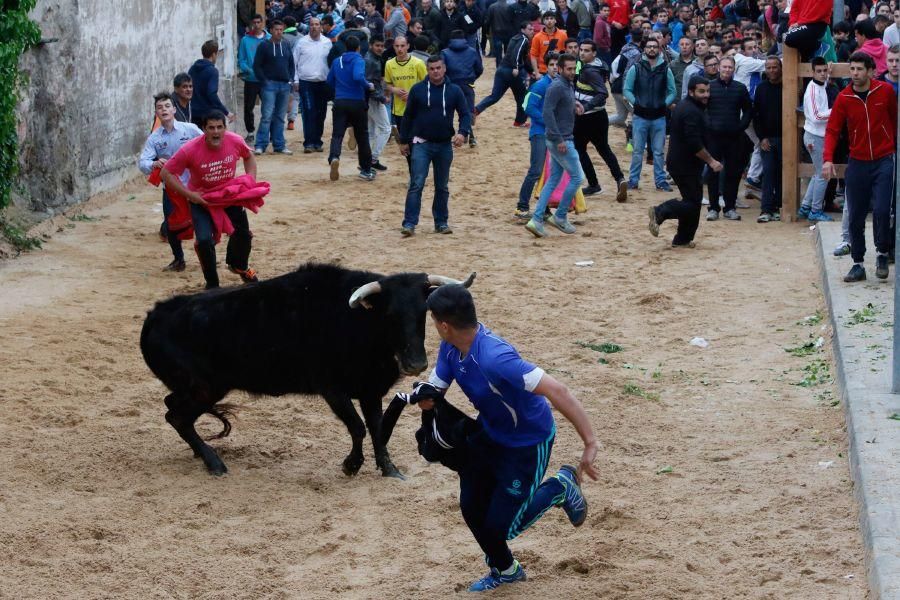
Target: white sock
{"type": "Point", "coordinates": [512, 569]}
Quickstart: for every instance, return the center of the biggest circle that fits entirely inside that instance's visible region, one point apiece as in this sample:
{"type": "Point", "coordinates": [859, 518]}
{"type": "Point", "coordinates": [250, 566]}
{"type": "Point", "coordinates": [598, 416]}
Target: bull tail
{"type": "Point", "coordinates": [222, 412]}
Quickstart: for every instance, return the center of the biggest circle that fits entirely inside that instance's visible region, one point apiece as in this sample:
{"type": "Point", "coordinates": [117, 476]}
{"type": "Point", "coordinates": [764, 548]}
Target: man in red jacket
{"type": "Point", "coordinates": [868, 108]}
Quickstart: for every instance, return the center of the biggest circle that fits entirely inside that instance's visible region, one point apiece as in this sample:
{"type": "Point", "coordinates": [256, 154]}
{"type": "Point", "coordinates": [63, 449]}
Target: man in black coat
{"type": "Point", "coordinates": [730, 111]}
{"type": "Point", "coordinates": [685, 162]}
{"type": "Point", "coordinates": [767, 123]}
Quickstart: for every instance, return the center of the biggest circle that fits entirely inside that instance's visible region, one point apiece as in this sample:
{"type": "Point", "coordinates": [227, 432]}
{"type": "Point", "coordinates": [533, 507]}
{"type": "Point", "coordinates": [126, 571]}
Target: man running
{"type": "Point", "coordinates": [559, 113]}
{"type": "Point", "coordinates": [212, 162]}
{"type": "Point", "coordinates": [510, 72]}
{"type": "Point", "coordinates": [593, 125]}
{"type": "Point", "coordinates": [162, 144]}
{"type": "Point", "coordinates": [685, 162]}
{"type": "Point", "coordinates": [502, 493]}
{"type": "Point", "coordinates": [537, 138]}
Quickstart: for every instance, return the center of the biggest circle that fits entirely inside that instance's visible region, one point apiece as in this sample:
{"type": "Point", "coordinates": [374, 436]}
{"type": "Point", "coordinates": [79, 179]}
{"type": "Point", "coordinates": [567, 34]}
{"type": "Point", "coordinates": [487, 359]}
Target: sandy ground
{"type": "Point", "coordinates": [99, 498]}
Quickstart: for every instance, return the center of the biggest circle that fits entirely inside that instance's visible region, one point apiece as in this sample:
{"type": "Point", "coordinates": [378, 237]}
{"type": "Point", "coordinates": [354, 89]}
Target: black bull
{"type": "Point", "coordinates": [321, 330]}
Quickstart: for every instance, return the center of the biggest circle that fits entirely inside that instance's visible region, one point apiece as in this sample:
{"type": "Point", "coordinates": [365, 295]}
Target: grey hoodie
{"type": "Point", "coordinates": [559, 111]}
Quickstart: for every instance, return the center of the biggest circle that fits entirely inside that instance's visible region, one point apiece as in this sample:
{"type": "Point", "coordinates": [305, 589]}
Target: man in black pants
{"type": "Point", "coordinates": [687, 155]}
{"type": "Point", "coordinates": [347, 78]}
{"type": "Point", "coordinates": [730, 112]}
{"type": "Point", "coordinates": [593, 125]}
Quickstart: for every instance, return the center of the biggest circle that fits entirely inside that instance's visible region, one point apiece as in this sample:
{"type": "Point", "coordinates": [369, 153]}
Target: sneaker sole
{"type": "Point", "coordinates": [654, 226]}
{"type": "Point", "coordinates": [622, 194]}
{"type": "Point", "coordinates": [535, 232]}
{"type": "Point", "coordinates": [335, 169]}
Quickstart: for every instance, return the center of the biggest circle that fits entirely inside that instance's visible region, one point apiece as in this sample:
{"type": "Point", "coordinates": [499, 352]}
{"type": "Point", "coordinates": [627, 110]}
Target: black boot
{"type": "Point", "coordinates": [206, 254]}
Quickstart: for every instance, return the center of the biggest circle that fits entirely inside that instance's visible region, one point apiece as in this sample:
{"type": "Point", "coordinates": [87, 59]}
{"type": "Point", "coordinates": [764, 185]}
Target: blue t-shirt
{"type": "Point", "coordinates": [500, 384]}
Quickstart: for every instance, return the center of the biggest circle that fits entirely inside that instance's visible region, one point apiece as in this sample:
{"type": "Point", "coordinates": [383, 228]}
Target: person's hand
{"type": "Point", "coordinates": [561, 147]}
{"type": "Point", "coordinates": [716, 166]}
{"type": "Point", "coordinates": [195, 198]}
{"type": "Point", "coordinates": [515, 72]}
{"type": "Point", "coordinates": [579, 108]}
{"type": "Point", "coordinates": [458, 140]}
{"type": "Point", "coordinates": [828, 171]}
{"type": "Point", "coordinates": [231, 117]}
{"type": "Point", "coordinates": [764, 145]}
{"type": "Point", "coordinates": [586, 466]}
{"type": "Point", "coordinates": [809, 147]}
{"type": "Point", "coordinates": [401, 93]}
{"type": "Point", "coordinates": [617, 25]}
{"type": "Point", "coordinates": [426, 404]}
{"type": "Point", "coordinates": [404, 149]}
{"type": "Point", "coordinates": [295, 87]}
{"type": "Point", "coordinates": [159, 163]}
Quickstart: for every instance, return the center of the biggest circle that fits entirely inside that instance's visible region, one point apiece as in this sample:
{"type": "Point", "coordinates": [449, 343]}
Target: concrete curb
{"type": "Point", "coordinates": [874, 439]}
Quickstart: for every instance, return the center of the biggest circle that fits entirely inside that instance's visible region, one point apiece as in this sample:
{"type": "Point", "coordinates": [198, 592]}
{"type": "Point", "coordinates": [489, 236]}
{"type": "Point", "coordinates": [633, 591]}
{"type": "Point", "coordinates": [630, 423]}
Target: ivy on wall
{"type": "Point", "coordinates": [17, 34]}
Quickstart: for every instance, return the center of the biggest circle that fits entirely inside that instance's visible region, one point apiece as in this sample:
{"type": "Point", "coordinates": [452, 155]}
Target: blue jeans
{"type": "Point", "coordinates": [642, 130]}
{"type": "Point", "coordinates": [535, 168]}
{"type": "Point", "coordinates": [423, 156]}
{"type": "Point", "coordinates": [560, 162]}
{"type": "Point", "coordinates": [274, 96]}
{"type": "Point", "coordinates": [504, 80]}
{"type": "Point", "coordinates": [585, 33]}
{"type": "Point", "coordinates": [815, 193]}
{"type": "Point", "coordinates": [771, 177]}
{"type": "Point", "coordinates": [314, 96]}
{"type": "Point", "coordinates": [869, 183]}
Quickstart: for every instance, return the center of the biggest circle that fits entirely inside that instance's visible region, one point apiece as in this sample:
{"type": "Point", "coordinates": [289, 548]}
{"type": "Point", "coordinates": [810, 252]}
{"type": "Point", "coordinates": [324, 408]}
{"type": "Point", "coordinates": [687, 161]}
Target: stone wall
{"type": "Point", "coordinates": [88, 107]}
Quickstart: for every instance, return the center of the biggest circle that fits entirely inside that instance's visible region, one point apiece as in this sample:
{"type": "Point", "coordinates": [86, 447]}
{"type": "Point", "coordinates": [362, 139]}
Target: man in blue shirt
{"type": "Point", "coordinates": [163, 143]}
{"type": "Point", "coordinates": [501, 493]}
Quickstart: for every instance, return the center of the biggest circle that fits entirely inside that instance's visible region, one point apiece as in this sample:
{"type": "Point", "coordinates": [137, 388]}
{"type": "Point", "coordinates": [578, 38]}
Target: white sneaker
{"type": "Point", "coordinates": [705, 201]}
{"type": "Point", "coordinates": [712, 215]}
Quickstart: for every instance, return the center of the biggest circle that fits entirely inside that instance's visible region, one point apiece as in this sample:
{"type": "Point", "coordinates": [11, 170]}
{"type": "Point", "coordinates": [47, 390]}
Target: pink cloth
{"type": "Point", "coordinates": [243, 191]}
{"type": "Point", "coordinates": [878, 51]}
{"type": "Point", "coordinates": [209, 167]}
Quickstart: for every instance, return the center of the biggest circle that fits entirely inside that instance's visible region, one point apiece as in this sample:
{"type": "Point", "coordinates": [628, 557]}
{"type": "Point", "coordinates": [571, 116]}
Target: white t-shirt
{"type": "Point", "coordinates": [311, 58]}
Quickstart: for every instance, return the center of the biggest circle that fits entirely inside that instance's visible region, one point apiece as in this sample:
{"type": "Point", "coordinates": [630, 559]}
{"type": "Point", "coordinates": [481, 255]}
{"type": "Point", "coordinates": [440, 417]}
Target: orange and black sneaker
{"type": "Point", "coordinates": [247, 276]}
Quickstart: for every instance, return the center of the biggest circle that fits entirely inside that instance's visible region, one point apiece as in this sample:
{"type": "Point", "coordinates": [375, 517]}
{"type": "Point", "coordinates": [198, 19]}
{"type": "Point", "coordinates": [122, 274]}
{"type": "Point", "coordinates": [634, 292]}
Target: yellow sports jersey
{"type": "Point", "coordinates": [403, 75]}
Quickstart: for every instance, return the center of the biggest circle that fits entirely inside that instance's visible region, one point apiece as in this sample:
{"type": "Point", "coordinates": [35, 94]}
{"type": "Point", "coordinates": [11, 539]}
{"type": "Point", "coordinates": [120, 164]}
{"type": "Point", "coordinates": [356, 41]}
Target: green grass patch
{"type": "Point", "coordinates": [636, 390]}
{"type": "Point", "coordinates": [606, 347]}
{"type": "Point", "coordinates": [815, 373]}
{"type": "Point", "coordinates": [863, 315]}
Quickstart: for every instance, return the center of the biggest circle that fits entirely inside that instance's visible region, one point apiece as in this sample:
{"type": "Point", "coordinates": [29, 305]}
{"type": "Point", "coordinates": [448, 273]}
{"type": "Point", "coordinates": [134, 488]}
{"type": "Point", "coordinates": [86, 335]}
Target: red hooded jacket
{"type": "Point", "coordinates": [871, 123]}
{"type": "Point", "coordinates": [619, 10]}
{"type": "Point", "coordinates": [810, 11]}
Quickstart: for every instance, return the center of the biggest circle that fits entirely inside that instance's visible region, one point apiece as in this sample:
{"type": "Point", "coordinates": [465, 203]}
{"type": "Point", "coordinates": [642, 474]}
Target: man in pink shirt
{"type": "Point", "coordinates": [212, 161]}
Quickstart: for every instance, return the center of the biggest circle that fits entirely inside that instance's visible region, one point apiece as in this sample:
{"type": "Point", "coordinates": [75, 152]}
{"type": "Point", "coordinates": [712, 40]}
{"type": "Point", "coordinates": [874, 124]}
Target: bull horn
{"type": "Point", "coordinates": [438, 280]}
{"type": "Point", "coordinates": [362, 293]}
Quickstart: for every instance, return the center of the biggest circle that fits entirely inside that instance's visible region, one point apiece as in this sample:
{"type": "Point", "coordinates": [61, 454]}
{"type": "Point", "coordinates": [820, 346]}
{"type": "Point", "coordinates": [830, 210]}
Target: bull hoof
{"type": "Point", "coordinates": [352, 464]}
{"type": "Point", "coordinates": [218, 471]}
{"type": "Point", "coordinates": [388, 469]}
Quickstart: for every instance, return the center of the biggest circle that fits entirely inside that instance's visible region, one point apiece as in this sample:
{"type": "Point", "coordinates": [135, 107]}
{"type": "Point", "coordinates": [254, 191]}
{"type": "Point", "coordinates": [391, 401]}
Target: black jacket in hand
{"type": "Point", "coordinates": [730, 108]}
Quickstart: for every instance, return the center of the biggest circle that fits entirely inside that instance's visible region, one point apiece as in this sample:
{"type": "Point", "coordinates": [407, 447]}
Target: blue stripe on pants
{"type": "Point", "coordinates": [501, 493]}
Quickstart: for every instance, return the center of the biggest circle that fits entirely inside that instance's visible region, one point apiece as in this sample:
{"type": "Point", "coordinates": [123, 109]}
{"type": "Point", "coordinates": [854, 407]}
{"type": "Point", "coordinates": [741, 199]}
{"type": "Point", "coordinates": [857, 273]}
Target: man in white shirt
{"type": "Point", "coordinates": [746, 65]}
{"type": "Point", "coordinates": [311, 64]}
{"type": "Point", "coordinates": [892, 33]}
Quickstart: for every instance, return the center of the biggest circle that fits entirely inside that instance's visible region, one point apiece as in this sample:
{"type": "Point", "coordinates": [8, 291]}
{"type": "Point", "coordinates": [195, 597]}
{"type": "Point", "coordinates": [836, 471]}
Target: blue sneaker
{"type": "Point", "coordinates": [495, 579]}
{"type": "Point", "coordinates": [803, 212]}
{"type": "Point", "coordinates": [575, 505]}
{"type": "Point", "coordinates": [819, 216]}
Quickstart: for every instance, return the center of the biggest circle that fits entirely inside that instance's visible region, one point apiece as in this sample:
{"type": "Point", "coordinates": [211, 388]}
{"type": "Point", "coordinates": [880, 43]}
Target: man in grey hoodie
{"type": "Point", "coordinates": [560, 108]}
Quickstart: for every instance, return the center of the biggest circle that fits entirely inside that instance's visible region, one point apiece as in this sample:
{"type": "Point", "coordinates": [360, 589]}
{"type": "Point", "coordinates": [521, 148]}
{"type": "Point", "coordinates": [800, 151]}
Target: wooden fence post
{"type": "Point", "coordinates": [790, 148]}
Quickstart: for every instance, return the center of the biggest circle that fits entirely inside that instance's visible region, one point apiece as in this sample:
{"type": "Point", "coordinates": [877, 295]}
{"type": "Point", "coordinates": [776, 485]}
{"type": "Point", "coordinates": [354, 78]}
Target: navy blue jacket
{"type": "Point", "coordinates": [348, 77]}
{"type": "Point", "coordinates": [274, 62]}
{"type": "Point", "coordinates": [463, 62]}
{"type": "Point", "coordinates": [429, 112]}
{"type": "Point", "coordinates": [205, 77]}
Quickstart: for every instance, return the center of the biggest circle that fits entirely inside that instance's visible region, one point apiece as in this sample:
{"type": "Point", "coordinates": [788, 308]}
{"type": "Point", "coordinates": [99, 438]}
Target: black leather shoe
{"type": "Point", "coordinates": [857, 273]}
{"type": "Point", "coordinates": [881, 266]}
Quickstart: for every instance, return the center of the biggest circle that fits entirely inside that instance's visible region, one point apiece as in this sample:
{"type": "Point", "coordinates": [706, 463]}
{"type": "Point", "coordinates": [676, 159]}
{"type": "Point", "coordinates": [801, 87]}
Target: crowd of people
{"type": "Point", "coordinates": [562, 61]}
{"type": "Point", "coordinates": [702, 78]}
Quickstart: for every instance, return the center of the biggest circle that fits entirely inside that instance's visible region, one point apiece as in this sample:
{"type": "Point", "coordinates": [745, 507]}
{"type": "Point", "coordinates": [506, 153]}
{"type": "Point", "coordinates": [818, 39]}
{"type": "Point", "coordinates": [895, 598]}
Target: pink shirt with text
{"type": "Point", "coordinates": [209, 167]}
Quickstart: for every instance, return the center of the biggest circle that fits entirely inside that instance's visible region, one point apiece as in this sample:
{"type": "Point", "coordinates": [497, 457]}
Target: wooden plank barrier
{"type": "Point", "coordinates": [792, 129]}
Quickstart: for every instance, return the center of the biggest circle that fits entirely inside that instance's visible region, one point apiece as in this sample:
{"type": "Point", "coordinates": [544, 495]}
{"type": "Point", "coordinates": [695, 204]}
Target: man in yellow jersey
{"type": "Point", "coordinates": [400, 74]}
